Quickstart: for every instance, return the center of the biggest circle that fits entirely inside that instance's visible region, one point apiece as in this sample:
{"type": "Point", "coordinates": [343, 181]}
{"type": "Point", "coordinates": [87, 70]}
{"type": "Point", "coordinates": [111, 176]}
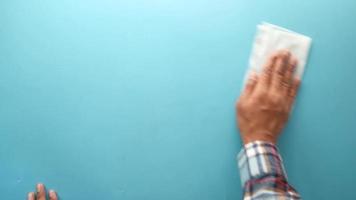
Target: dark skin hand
{"type": "Point", "coordinates": [264, 106]}
{"type": "Point", "coordinates": [41, 194]}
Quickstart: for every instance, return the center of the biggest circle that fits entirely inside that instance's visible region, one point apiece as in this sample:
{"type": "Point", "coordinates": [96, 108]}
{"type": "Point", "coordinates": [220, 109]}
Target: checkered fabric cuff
{"type": "Point", "coordinates": [259, 159]}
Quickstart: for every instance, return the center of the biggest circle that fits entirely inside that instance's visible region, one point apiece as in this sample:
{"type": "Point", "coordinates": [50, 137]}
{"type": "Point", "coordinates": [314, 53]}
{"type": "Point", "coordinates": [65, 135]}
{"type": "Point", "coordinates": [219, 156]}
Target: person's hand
{"type": "Point", "coordinates": [264, 106]}
{"type": "Point", "coordinates": [41, 194]}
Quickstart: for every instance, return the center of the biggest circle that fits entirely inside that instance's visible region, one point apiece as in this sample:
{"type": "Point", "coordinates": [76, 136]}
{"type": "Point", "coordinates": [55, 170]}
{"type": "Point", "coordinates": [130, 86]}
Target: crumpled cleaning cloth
{"type": "Point", "coordinates": [271, 38]}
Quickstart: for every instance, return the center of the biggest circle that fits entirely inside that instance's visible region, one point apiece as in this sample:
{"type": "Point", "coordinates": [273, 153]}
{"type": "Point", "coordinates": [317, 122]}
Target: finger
{"type": "Point", "coordinates": [288, 78]}
{"type": "Point", "coordinates": [293, 90]}
{"type": "Point", "coordinates": [52, 195]}
{"type": "Point", "coordinates": [267, 72]}
{"type": "Point", "coordinates": [251, 83]}
{"type": "Point", "coordinates": [31, 196]}
{"type": "Point", "coordinates": [280, 69]}
{"type": "Point", "coordinates": [41, 192]}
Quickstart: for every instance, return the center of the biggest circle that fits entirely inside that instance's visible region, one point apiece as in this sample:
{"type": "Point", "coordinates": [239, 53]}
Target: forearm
{"type": "Point", "coordinates": [262, 173]}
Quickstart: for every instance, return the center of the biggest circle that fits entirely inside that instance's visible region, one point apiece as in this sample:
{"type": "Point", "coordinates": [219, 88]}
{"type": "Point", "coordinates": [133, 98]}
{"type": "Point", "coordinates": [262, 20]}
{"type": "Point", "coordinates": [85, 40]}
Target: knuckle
{"type": "Point", "coordinates": [268, 71]}
{"type": "Point", "coordinates": [275, 100]}
{"type": "Point", "coordinates": [280, 74]}
{"type": "Point", "coordinates": [261, 96]}
{"type": "Point", "coordinates": [292, 94]}
{"type": "Point", "coordinates": [294, 62]}
{"type": "Point", "coordinates": [291, 68]}
{"type": "Point", "coordinates": [239, 105]}
{"type": "Point", "coordinates": [285, 83]}
{"type": "Point", "coordinates": [243, 105]}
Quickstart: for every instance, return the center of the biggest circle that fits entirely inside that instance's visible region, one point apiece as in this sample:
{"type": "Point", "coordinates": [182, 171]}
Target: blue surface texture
{"type": "Point", "coordinates": [105, 99]}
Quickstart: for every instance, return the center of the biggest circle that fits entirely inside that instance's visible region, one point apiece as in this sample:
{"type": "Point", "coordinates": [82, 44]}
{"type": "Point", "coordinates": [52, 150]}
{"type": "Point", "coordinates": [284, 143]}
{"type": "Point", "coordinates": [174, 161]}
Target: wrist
{"type": "Point", "coordinates": [259, 137]}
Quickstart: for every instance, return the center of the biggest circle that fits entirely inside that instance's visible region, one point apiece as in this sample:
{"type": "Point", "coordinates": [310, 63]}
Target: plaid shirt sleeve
{"type": "Point", "coordinates": [262, 173]}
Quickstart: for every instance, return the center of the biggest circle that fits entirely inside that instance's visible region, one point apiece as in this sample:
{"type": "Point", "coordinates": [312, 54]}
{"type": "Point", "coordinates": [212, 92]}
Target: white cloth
{"type": "Point", "coordinates": [270, 38]}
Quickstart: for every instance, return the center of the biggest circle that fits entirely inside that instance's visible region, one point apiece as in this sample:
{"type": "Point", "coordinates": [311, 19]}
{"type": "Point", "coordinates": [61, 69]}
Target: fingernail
{"type": "Point", "coordinates": [52, 193]}
{"type": "Point", "coordinates": [31, 195]}
{"type": "Point", "coordinates": [39, 187]}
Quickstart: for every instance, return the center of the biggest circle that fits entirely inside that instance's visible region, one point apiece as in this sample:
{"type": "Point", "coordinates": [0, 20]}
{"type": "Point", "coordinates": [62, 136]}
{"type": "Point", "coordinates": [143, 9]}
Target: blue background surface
{"type": "Point", "coordinates": [135, 99]}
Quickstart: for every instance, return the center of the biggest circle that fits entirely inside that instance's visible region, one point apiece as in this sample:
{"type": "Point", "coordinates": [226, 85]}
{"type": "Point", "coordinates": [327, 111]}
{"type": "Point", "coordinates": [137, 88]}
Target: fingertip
{"type": "Point", "coordinates": [40, 187]}
{"type": "Point", "coordinates": [52, 195]}
{"type": "Point", "coordinates": [294, 60]}
{"type": "Point", "coordinates": [297, 81]}
{"type": "Point", "coordinates": [274, 55]}
{"type": "Point", "coordinates": [31, 196]}
{"type": "Point", "coordinates": [253, 75]}
{"type": "Point", "coordinates": [41, 191]}
{"type": "Point", "coordinates": [286, 52]}
{"type": "Point", "coordinates": [295, 87]}
{"type": "Point", "coordinates": [283, 53]}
